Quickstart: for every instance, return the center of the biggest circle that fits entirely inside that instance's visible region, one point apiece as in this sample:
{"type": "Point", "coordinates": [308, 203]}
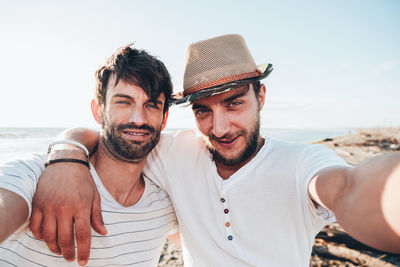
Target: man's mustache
{"type": "Point", "coordinates": [224, 137]}
{"type": "Point", "coordinates": [134, 126]}
{"type": "Point", "coordinates": [227, 136]}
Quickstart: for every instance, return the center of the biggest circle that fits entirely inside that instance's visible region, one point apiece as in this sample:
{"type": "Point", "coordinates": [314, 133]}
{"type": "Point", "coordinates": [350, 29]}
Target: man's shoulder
{"type": "Point", "coordinates": [175, 150]}
{"type": "Point", "coordinates": [179, 140]}
{"type": "Point", "coordinates": [22, 175]}
{"type": "Point", "coordinates": [281, 149]}
{"type": "Point", "coordinates": [181, 135]}
{"type": "Point", "coordinates": [285, 147]}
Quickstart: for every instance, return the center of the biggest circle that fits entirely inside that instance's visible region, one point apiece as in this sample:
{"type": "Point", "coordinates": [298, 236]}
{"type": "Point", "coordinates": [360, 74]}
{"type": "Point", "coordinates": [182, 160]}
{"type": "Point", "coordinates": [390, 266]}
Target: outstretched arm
{"type": "Point", "coordinates": [18, 180]}
{"type": "Point", "coordinates": [13, 213]}
{"type": "Point", "coordinates": [365, 199]}
{"type": "Point", "coordinates": [67, 199]}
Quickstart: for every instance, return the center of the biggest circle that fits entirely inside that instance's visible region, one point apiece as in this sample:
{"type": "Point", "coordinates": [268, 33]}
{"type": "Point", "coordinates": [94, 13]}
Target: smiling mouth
{"type": "Point", "coordinates": [226, 141]}
{"type": "Point", "coordinates": [135, 133]}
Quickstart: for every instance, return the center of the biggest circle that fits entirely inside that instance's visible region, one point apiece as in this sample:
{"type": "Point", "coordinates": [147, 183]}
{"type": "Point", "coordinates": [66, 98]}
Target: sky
{"type": "Point", "coordinates": [336, 63]}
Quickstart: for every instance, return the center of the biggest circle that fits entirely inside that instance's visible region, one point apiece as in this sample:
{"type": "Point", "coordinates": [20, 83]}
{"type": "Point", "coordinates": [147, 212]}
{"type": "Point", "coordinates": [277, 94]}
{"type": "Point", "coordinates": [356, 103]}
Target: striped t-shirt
{"type": "Point", "coordinates": [136, 234]}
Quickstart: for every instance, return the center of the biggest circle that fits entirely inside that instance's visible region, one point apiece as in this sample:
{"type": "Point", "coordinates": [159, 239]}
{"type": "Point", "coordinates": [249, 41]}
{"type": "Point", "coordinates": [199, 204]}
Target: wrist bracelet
{"type": "Point", "coordinates": [70, 142]}
{"type": "Point", "coordinates": [67, 160]}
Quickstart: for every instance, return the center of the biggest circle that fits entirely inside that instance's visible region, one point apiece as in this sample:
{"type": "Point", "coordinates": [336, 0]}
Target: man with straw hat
{"type": "Point", "coordinates": [242, 199]}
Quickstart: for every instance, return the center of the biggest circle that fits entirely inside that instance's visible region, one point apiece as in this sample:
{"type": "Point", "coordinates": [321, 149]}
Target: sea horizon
{"type": "Point", "coordinates": [19, 142]}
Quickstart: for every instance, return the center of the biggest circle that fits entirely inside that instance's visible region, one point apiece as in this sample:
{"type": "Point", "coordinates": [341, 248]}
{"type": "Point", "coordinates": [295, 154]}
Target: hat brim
{"type": "Point", "coordinates": [179, 98]}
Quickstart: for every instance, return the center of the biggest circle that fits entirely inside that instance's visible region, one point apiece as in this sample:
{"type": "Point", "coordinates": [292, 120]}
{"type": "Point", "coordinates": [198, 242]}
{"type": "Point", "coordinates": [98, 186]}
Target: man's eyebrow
{"type": "Point", "coordinates": [229, 99]}
{"type": "Point", "coordinates": [240, 94]}
{"type": "Point", "coordinates": [197, 106]}
{"type": "Point", "coordinates": [156, 102]}
{"type": "Point", "coordinates": [123, 96]}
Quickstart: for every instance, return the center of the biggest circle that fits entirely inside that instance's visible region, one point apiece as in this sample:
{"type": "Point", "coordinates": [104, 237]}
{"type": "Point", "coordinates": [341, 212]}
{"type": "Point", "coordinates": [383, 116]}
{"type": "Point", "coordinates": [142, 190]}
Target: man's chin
{"type": "Point", "coordinates": [227, 160]}
{"type": "Point", "coordinates": [133, 153]}
{"type": "Point", "coordinates": [132, 160]}
{"type": "Point", "coordinates": [126, 149]}
{"type": "Point", "coordinates": [134, 141]}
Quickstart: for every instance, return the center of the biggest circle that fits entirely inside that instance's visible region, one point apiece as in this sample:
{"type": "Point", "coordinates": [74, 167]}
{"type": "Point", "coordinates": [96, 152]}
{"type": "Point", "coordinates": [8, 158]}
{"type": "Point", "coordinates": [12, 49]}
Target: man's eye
{"type": "Point", "coordinates": [235, 104]}
{"type": "Point", "coordinates": [122, 102]}
{"type": "Point", "coordinates": [201, 113]}
{"type": "Point", "coordinates": [152, 106]}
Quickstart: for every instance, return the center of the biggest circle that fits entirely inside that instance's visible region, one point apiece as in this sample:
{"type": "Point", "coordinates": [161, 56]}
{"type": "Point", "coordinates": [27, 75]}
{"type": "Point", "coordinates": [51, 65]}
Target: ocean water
{"type": "Point", "coordinates": [20, 142]}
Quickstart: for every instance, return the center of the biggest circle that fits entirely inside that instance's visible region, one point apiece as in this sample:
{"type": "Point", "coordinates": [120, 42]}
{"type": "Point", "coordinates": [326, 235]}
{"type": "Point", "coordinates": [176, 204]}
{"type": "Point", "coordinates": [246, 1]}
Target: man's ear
{"type": "Point", "coordinates": [97, 111]}
{"type": "Point", "coordinates": [261, 96]}
{"type": "Point", "coordinates": [164, 123]}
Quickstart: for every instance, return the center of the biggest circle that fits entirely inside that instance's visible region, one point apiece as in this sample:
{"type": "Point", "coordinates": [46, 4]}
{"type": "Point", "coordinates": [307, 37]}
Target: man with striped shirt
{"type": "Point", "coordinates": [131, 104]}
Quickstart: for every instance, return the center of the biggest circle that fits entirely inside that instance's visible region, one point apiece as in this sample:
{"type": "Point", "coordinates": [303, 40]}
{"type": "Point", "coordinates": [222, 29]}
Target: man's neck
{"type": "Point", "coordinates": [123, 180]}
{"type": "Point", "coordinates": [226, 171]}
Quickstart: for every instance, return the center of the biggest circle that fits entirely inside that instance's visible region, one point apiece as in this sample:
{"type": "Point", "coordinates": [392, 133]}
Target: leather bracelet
{"type": "Point", "coordinates": [67, 160]}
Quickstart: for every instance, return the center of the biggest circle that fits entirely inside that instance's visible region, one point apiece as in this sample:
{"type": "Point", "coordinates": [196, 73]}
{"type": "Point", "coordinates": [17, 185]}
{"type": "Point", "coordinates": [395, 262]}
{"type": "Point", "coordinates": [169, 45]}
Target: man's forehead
{"type": "Point", "coordinates": [130, 89]}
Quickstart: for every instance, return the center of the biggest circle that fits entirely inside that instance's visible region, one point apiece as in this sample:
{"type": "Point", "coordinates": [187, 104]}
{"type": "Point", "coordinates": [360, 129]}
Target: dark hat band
{"type": "Point", "coordinates": [225, 80]}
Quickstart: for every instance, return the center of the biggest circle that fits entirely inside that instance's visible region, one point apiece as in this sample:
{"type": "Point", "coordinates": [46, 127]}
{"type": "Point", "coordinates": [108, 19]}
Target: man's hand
{"type": "Point", "coordinates": [67, 199]}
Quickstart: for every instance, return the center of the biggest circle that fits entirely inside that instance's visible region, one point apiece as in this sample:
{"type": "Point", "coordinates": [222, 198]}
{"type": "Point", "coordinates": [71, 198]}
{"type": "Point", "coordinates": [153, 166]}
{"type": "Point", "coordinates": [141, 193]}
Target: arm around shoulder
{"type": "Point", "coordinates": [87, 137]}
{"type": "Point", "coordinates": [365, 199]}
{"type": "Point", "coordinates": [18, 180]}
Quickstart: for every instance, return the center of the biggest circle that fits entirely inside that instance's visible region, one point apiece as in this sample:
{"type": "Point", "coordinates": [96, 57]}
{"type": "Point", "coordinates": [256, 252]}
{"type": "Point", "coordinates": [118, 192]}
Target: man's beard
{"type": "Point", "coordinates": [250, 149]}
{"type": "Point", "coordinates": [128, 151]}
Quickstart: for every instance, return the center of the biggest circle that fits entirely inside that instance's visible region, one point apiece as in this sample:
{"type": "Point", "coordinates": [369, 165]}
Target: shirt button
{"type": "Point", "coordinates": [222, 199]}
{"type": "Point", "coordinates": [227, 224]}
{"type": "Point", "coordinates": [226, 210]}
{"type": "Point", "coordinates": [230, 237]}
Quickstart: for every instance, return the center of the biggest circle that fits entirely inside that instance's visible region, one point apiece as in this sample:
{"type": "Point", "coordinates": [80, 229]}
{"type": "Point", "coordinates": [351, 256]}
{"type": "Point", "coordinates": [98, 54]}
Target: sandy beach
{"type": "Point", "coordinates": [333, 247]}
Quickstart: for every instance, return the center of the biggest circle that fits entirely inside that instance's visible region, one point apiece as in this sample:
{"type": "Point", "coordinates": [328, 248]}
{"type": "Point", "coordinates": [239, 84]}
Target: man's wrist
{"type": "Point", "coordinates": [68, 142]}
{"type": "Point", "coordinates": [49, 162]}
{"type": "Point", "coordinates": [66, 151]}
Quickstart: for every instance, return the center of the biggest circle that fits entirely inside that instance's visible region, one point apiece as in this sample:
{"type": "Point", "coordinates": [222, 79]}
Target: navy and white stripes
{"type": "Point", "coordinates": [136, 234]}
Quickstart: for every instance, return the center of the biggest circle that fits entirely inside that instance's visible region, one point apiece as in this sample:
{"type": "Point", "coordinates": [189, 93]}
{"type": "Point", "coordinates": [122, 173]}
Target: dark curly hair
{"type": "Point", "coordinates": [135, 67]}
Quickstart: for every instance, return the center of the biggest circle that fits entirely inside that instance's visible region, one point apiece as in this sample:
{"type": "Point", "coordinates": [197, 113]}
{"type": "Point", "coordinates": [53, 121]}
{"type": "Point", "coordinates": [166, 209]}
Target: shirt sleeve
{"type": "Point", "coordinates": [313, 159]}
{"type": "Point", "coordinates": [21, 176]}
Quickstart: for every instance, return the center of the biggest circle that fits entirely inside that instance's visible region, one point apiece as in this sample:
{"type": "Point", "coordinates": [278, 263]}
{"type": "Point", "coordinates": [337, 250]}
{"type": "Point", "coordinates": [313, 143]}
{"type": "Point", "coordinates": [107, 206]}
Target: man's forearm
{"type": "Point", "coordinates": [13, 213]}
{"type": "Point", "coordinates": [66, 191]}
{"type": "Point", "coordinates": [369, 205]}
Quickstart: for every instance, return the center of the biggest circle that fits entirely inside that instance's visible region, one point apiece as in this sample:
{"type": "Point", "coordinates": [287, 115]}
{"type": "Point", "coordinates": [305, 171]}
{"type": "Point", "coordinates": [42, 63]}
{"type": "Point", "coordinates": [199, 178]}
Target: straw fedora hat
{"type": "Point", "coordinates": [216, 65]}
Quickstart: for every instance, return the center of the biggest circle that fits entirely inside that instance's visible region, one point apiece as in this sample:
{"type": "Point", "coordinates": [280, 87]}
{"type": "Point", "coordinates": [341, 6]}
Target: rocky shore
{"type": "Point", "coordinates": [333, 247]}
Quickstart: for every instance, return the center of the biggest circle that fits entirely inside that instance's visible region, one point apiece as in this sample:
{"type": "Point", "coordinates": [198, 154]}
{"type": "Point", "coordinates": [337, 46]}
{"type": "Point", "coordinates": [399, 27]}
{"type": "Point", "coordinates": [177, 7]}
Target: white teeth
{"type": "Point", "coordinates": [135, 133]}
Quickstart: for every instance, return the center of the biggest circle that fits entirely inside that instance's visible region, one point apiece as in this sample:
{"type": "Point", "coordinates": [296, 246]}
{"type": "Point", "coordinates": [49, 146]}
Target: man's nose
{"type": "Point", "coordinates": [220, 124]}
{"type": "Point", "coordinates": [138, 116]}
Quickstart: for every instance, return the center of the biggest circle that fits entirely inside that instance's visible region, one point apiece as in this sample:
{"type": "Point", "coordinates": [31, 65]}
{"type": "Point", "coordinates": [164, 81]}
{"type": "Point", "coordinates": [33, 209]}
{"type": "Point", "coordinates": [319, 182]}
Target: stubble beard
{"type": "Point", "coordinates": [249, 150]}
{"type": "Point", "coordinates": [134, 152]}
